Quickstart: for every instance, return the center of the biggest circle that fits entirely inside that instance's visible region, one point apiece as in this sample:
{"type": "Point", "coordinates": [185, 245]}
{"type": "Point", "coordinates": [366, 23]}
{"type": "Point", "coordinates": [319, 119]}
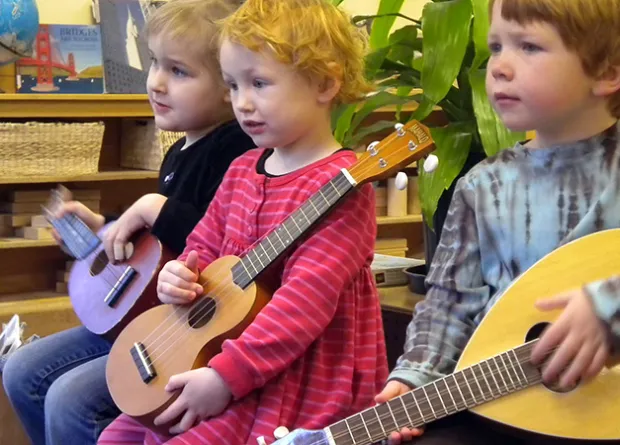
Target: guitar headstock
{"type": "Point", "coordinates": [57, 198]}
{"type": "Point", "coordinates": [408, 143]}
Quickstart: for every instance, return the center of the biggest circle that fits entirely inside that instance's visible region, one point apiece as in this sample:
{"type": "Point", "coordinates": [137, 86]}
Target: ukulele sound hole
{"type": "Point", "coordinates": [202, 312]}
{"type": "Point", "coordinates": [534, 333]}
{"type": "Point", "coordinates": [99, 263]}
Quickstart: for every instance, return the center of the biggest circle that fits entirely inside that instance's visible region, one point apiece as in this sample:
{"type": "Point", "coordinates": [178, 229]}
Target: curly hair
{"type": "Point", "coordinates": [314, 36]}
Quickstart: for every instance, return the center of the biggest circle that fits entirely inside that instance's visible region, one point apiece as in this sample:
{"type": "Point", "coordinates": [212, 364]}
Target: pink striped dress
{"type": "Point", "coordinates": [316, 352]}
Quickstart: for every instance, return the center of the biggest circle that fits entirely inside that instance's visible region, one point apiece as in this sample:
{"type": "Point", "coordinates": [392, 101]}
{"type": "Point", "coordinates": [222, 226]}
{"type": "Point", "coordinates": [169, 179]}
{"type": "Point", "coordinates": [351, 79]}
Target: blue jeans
{"type": "Point", "coordinates": [58, 389]}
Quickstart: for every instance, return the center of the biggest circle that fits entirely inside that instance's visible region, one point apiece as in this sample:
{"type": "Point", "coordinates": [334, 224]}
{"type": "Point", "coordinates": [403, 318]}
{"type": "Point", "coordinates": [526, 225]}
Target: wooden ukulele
{"type": "Point", "coordinates": [107, 296]}
{"type": "Point", "coordinates": [494, 377]}
{"type": "Point", "coordinates": [171, 339]}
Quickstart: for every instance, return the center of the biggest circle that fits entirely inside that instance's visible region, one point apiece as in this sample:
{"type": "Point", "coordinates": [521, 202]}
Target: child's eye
{"type": "Point", "coordinates": [530, 47]}
{"type": "Point", "coordinates": [153, 60]}
{"type": "Point", "coordinates": [231, 85]}
{"type": "Point", "coordinates": [494, 47]}
{"type": "Point", "coordinates": [178, 72]}
{"type": "Point", "coordinates": [258, 83]}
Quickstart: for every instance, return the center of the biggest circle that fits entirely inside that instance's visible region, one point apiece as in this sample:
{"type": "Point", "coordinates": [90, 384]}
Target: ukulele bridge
{"type": "Point", "coordinates": [119, 287]}
{"type": "Point", "coordinates": [143, 362]}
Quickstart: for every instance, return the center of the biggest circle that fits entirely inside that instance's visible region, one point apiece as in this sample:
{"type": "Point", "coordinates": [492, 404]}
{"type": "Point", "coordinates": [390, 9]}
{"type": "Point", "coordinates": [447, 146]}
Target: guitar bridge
{"type": "Point", "coordinates": [143, 362]}
{"type": "Point", "coordinates": [119, 287]}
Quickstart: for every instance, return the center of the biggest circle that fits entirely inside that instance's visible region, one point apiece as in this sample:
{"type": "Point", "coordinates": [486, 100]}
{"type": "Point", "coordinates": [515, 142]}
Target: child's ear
{"type": "Point", "coordinates": [330, 86]}
{"type": "Point", "coordinates": [608, 83]}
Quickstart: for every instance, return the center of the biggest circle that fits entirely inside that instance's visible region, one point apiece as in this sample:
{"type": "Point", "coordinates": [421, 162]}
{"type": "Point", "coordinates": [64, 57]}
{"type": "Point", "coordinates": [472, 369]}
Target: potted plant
{"type": "Point", "coordinates": [438, 61]}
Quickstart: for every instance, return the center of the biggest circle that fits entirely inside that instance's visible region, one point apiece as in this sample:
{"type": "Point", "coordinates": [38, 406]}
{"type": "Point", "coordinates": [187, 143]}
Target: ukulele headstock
{"type": "Point", "coordinates": [408, 143]}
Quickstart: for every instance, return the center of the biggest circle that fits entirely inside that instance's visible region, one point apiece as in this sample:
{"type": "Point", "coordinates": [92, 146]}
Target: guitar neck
{"type": "Point", "coordinates": [256, 260]}
{"type": "Point", "coordinates": [489, 380]}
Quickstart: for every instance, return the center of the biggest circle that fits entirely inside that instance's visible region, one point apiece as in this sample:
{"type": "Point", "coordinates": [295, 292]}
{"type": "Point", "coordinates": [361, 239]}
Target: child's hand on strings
{"type": "Point", "coordinates": [579, 337]}
{"type": "Point", "coordinates": [141, 214]}
{"type": "Point", "coordinates": [391, 390]}
{"type": "Point", "coordinates": [177, 281]}
{"type": "Point", "coordinates": [204, 394]}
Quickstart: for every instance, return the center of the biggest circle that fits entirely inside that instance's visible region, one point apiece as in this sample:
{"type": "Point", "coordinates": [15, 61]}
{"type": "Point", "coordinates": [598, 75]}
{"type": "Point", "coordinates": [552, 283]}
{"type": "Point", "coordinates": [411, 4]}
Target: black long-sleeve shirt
{"type": "Point", "coordinates": [189, 179]}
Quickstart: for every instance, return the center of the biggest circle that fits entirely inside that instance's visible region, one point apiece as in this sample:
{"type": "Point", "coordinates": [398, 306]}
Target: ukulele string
{"type": "Point", "coordinates": [171, 339]}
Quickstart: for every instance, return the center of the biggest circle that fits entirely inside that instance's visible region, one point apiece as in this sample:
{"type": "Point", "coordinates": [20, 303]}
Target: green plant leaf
{"type": "Point", "coordinates": [381, 99]}
{"type": "Point", "coordinates": [375, 60]}
{"type": "Point", "coordinates": [452, 145]}
{"type": "Point", "coordinates": [493, 134]}
{"type": "Point", "coordinates": [336, 2]}
{"type": "Point", "coordinates": [344, 122]}
{"type": "Point", "coordinates": [445, 30]}
{"type": "Point", "coordinates": [377, 127]}
{"type": "Point", "coordinates": [381, 26]}
{"type": "Point", "coordinates": [480, 31]}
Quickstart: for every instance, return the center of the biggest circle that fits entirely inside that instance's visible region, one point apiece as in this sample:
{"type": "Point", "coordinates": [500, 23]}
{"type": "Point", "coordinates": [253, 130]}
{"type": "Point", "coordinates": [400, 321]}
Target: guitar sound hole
{"type": "Point", "coordinates": [534, 333]}
{"type": "Point", "coordinates": [99, 263]}
{"type": "Point", "coordinates": [202, 312]}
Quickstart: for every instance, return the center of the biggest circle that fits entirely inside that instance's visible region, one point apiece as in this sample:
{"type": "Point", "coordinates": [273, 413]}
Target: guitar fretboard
{"type": "Point", "coordinates": [291, 229]}
{"type": "Point", "coordinates": [486, 381]}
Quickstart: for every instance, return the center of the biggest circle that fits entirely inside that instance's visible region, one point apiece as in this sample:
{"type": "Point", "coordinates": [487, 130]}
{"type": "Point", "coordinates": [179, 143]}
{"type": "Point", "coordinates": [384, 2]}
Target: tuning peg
{"type": "Point", "coordinates": [261, 440]}
{"type": "Point", "coordinates": [431, 163]}
{"type": "Point", "coordinates": [280, 432]}
{"type": "Point", "coordinates": [401, 181]}
{"type": "Point", "coordinates": [400, 129]}
{"type": "Point", "coordinates": [372, 148]}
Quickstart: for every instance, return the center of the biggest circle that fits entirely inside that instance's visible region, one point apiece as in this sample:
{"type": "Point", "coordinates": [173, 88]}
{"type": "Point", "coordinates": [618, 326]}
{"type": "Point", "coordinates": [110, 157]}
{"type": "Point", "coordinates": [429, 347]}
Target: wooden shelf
{"type": "Point", "coordinates": [74, 105]}
{"type": "Point", "coordinates": [114, 175]}
{"type": "Point", "coordinates": [385, 220]}
{"type": "Point", "coordinates": [22, 243]}
{"type": "Point", "coordinates": [398, 298]}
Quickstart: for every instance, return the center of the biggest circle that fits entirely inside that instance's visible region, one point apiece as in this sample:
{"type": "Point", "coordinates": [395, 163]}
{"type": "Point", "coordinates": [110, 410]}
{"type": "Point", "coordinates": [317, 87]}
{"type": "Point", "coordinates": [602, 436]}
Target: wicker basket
{"type": "Point", "coordinates": [58, 148]}
{"type": "Point", "coordinates": [143, 145]}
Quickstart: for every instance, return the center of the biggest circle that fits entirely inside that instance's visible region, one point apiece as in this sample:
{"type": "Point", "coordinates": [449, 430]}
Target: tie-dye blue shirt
{"type": "Point", "coordinates": [506, 214]}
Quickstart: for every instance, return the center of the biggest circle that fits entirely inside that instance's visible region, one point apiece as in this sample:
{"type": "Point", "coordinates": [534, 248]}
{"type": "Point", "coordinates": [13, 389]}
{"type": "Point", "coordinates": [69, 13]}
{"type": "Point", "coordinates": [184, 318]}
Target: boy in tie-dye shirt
{"type": "Point", "coordinates": [554, 68]}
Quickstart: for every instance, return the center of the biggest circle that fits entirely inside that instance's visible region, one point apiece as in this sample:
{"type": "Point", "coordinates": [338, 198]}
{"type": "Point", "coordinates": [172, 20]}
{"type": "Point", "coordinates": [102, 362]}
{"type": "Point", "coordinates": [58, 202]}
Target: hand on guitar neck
{"type": "Point", "coordinates": [394, 389]}
{"type": "Point", "coordinates": [178, 281]}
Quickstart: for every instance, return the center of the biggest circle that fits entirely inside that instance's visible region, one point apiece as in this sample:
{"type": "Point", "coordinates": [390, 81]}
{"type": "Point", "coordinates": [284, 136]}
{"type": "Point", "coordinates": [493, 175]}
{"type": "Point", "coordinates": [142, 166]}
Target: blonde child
{"type": "Point", "coordinates": [316, 352]}
{"type": "Point", "coordinates": [57, 385]}
{"type": "Point", "coordinates": [554, 68]}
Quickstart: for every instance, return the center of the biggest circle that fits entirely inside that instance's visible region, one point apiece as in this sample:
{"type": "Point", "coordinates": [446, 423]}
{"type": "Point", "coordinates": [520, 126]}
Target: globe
{"type": "Point", "coordinates": [19, 25]}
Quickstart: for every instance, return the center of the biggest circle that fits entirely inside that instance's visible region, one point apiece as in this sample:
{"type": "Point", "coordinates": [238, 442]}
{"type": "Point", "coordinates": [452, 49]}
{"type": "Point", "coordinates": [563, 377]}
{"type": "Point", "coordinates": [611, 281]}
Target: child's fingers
{"type": "Point", "coordinates": [561, 358]}
{"type": "Point", "coordinates": [551, 337]}
{"type": "Point", "coordinates": [598, 362]}
{"type": "Point", "coordinates": [191, 262]}
{"type": "Point", "coordinates": [170, 294]}
{"type": "Point", "coordinates": [551, 304]}
{"type": "Point", "coordinates": [577, 367]}
{"type": "Point", "coordinates": [178, 269]}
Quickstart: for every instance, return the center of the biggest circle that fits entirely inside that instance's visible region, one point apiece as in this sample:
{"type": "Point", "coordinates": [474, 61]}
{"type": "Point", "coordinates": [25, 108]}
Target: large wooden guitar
{"type": "Point", "coordinates": [171, 339]}
{"type": "Point", "coordinates": [494, 377]}
{"type": "Point", "coordinates": [107, 296]}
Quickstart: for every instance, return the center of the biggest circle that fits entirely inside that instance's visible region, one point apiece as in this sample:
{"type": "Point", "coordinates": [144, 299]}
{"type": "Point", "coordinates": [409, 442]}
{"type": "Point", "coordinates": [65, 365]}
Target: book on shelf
{"type": "Point", "coordinates": [67, 60]}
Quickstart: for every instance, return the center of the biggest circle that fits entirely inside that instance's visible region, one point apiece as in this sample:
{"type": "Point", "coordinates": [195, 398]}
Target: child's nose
{"type": "Point", "coordinates": [501, 67]}
{"type": "Point", "coordinates": [243, 101]}
{"type": "Point", "coordinates": [156, 81]}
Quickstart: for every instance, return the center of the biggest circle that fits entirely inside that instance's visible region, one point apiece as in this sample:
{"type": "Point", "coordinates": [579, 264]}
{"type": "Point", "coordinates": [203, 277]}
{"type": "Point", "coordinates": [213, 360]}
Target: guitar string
{"type": "Point", "coordinates": [435, 396]}
{"type": "Point", "coordinates": [200, 315]}
{"type": "Point", "coordinates": [209, 311]}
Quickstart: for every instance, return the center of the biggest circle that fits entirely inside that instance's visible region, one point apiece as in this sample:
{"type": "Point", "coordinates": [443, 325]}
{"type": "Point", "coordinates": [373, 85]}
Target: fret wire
{"type": "Point", "coordinates": [258, 258]}
{"type": "Point", "coordinates": [392, 414]}
{"type": "Point", "coordinates": [349, 429]}
{"type": "Point", "coordinates": [440, 398]}
{"type": "Point", "coordinates": [280, 238]}
{"type": "Point", "coordinates": [292, 218]}
{"type": "Point", "coordinates": [314, 207]}
{"type": "Point", "coordinates": [289, 233]}
{"type": "Point", "coordinates": [507, 371]}
{"type": "Point", "coordinates": [470, 390]}
{"type": "Point", "coordinates": [379, 419]}
{"type": "Point", "coordinates": [337, 191]}
{"type": "Point", "coordinates": [365, 427]}
{"type": "Point", "coordinates": [415, 399]}
{"type": "Point", "coordinates": [268, 238]}
{"type": "Point", "coordinates": [445, 382]}
{"type": "Point", "coordinates": [458, 386]}
{"type": "Point", "coordinates": [406, 410]}
{"type": "Point", "coordinates": [251, 263]}
{"type": "Point", "coordinates": [520, 367]}
{"type": "Point", "coordinates": [301, 209]}
{"type": "Point", "coordinates": [246, 269]}
{"type": "Point", "coordinates": [484, 376]}
{"type": "Point", "coordinates": [429, 403]}
{"type": "Point", "coordinates": [473, 371]}
{"type": "Point", "coordinates": [371, 421]}
{"type": "Point", "coordinates": [499, 371]}
{"type": "Point", "coordinates": [265, 252]}
{"type": "Point", "coordinates": [492, 373]}
{"type": "Point", "coordinates": [323, 196]}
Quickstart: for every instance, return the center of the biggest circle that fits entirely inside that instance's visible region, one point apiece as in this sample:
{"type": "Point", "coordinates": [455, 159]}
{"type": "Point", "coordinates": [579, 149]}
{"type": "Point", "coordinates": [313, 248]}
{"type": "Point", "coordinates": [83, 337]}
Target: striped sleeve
{"type": "Point", "coordinates": [314, 277]}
